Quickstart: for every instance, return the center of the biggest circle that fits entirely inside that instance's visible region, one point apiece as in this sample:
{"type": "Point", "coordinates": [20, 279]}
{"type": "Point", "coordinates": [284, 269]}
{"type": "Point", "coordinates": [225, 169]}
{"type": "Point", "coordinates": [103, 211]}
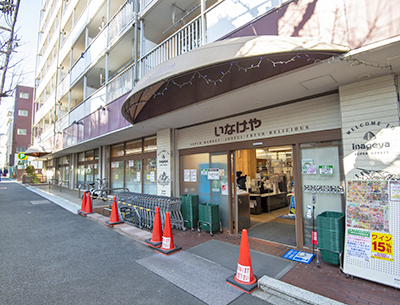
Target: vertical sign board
{"type": "Point", "coordinates": [372, 235]}
{"type": "Point", "coordinates": [164, 149]}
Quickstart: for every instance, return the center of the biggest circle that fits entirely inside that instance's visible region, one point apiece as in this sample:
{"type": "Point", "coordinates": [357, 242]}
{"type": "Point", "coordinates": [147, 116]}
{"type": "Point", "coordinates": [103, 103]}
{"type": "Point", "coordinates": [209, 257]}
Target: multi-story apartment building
{"type": "Point", "coordinates": [184, 97]}
{"type": "Point", "coordinates": [19, 135]}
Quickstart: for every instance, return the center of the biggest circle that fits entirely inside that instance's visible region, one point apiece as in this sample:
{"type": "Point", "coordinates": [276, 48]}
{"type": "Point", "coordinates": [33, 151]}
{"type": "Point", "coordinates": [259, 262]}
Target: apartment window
{"type": "Point", "coordinates": [23, 112]}
{"type": "Point", "coordinates": [20, 149]}
{"type": "Point", "coordinates": [21, 132]}
{"type": "Point", "coordinates": [24, 95]}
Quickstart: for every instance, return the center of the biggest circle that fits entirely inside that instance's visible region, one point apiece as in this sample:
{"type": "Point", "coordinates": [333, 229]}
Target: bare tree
{"type": "Point", "coordinates": [8, 44]}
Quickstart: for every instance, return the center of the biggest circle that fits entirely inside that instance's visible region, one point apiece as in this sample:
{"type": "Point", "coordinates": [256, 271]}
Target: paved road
{"type": "Point", "coordinates": [51, 256]}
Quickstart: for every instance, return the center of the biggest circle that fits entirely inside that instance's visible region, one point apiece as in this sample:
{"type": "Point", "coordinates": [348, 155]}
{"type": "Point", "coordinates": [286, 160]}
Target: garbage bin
{"type": "Point", "coordinates": [330, 226]}
{"type": "Point", "coordinates": [190, 210]}
{"type": "Point", "coordinates": [209, 217]}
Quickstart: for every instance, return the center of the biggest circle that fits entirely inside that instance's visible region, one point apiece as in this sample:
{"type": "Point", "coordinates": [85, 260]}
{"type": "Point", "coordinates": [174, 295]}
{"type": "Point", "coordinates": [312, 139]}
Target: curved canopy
{"type": "Point", "coordinates": [214, 54]}
{"type": "Point", "coordinates": [37, 151]}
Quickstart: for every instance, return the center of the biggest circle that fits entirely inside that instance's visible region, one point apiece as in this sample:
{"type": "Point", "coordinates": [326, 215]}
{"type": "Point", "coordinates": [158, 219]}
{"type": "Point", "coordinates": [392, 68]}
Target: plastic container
{"type": "Point", "coordinates": [330, 257]}
{"type": "Point", "coordinates": [190, 210]}
{"type": "Point", "coordinates": [209, 216]}
{"type": "Point", "coordinates": [330, 227]}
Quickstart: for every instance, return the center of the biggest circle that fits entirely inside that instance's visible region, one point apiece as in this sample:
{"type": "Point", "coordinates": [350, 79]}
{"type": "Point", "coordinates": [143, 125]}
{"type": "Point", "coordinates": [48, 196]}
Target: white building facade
{"type": "Point", "coordinates": [155, 95]}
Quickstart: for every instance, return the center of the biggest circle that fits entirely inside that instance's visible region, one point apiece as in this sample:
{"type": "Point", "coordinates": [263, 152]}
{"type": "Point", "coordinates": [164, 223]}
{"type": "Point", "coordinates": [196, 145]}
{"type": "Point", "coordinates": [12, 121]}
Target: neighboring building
{"type": "Point", "coordinates": [177, 97]}
{"type": "Point", "coordinates": [21, 126]}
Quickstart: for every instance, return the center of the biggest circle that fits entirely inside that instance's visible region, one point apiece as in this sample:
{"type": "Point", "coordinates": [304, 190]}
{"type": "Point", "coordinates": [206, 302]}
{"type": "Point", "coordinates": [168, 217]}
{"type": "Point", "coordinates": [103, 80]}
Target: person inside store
{"type": "Point", "coordinates": [241, 180]}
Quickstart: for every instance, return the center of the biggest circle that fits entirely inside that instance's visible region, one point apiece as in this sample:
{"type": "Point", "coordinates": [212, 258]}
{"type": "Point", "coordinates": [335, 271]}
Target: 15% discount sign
{"type": "Point", "coordinates": [382, 246]}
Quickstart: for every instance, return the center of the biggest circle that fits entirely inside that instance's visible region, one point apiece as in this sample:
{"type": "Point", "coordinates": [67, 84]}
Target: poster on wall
{"type": "Point", "coordinates": [193, 175]}
{"type": "Point", "coordinates": [213, 174]}
{"type": "Point", "coordinates": [358, 244]}
{"type": "Point", "coordinates": [308, 167]}
{"type": "Point", "coordinates": [224, 188]}
{"type": "Point", "coordinates": [394, 190]}
{"type": "Point", "coordinates": [186, 175]}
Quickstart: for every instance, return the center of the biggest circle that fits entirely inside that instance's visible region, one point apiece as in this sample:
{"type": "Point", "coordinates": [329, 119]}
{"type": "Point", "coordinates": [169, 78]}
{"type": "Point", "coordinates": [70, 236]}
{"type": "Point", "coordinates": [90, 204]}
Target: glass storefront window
{"type": "Point", "coordinates": [134, 147]}
{"type": "Point", "coordinates": [320, 166]}
{"type": "Point", "coordinates": [81, 174]}
{"type": "Point", "coordinates": [81, 157]}
{"type": "Point", "coordinates": [89, 155]}
{"type": "Point", "coordinates": [96, 154]}
{"type": "Point", "coordinates": [117, 174]}
{"type": "Point", "coordinates": [133, 173]}
{"type": "Point", "coordinates": [117, 150]}
{"type": "Point", "coordinates": [150, 144]}
{"type": "Point", "coordinates": [89, 173]}
{"type": "Point", "coordinates": [150, 176]}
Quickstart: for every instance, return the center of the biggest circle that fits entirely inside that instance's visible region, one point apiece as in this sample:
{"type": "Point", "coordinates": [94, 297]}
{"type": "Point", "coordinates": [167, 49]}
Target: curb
{"type": "Point", "coordinates": [291, 294]}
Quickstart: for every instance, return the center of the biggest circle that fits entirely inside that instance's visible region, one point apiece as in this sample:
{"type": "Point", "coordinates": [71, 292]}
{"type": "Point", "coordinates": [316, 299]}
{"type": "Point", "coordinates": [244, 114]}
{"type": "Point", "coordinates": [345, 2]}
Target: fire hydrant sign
{"type": "Point", "coordinates": [382, 246]}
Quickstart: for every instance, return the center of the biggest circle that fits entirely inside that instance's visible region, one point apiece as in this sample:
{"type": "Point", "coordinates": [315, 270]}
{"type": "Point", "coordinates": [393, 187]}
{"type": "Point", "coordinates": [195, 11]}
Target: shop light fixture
{"type": "Point", "coordinates": [280, 149]}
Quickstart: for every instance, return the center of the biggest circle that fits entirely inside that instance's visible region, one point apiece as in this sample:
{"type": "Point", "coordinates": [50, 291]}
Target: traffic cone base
{"type": "Point", "coordinates": [247, 288]}
{"type": "Point", "coordinates": [152, 244]}
{"type": "Point", "coordinates": [168, 252]}
{"type": "Point", "coordinates": [168, 247]}
{"type": "Point", "coordinates": [111, 224]}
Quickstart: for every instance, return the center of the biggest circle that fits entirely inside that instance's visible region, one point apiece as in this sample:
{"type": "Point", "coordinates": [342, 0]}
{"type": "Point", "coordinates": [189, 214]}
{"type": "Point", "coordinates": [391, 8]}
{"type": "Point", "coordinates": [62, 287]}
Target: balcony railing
{"type": "Point", "coordinates": [120, 20]}
{"type": "Point", "coordinates": [120, 85]}
{"type": "Point", "coordinates": [186, 39]}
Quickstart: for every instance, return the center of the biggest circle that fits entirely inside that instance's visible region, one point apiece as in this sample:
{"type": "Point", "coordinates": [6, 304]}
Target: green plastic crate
{"type": "Point", "coordinates": [330, 257]}
{"type": "Point", "coordinates": [189, 210]}
{"type": "Point", "coordinates": [209, 213]}
{"type": "Point", "coordinates": [330, 227]}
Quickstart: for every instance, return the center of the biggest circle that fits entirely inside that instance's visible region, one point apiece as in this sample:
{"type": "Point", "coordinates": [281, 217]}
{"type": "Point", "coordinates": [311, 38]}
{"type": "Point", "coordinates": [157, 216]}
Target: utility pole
{"type": "Point", "coordinates": [9, 10]}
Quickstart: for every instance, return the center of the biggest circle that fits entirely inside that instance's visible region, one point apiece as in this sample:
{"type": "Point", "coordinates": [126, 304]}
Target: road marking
{"type": "Point", "coordinates": [40, 201]}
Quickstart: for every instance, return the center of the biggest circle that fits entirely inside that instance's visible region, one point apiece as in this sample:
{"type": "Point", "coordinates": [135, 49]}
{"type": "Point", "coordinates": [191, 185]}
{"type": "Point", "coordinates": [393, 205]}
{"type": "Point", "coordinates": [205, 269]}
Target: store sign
{"type": "Point", "coordinates": [22, 156]}
{"type": "Point", "coordinates": [369, 142]}
{"type": "Point", "coordinates": [213, 174]}
{"type": "Point", "coordinates": [382, 246]}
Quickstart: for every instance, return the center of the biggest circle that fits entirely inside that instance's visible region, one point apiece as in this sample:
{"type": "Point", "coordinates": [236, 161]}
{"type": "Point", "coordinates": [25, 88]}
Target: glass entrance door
{"type": "Point", "coordinates": [206, 175]}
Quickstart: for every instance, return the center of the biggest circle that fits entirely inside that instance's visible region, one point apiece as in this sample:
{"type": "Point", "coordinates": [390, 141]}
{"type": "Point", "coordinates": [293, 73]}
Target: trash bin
{"type": "Point", "coordinates": [190, 210]}
{"type": "Point", "coordinates": [330, 226]}
{"type": "Point", "coordinates": [209, 217]}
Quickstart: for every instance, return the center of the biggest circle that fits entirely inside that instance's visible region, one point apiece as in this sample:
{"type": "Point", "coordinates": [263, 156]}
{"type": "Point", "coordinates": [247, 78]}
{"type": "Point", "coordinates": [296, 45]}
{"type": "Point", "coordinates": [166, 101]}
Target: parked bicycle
{"type": "Point", "coordinates": [100, 191]}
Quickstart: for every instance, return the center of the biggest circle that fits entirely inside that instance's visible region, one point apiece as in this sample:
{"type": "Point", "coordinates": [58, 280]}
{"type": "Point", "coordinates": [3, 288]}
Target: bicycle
{"type": "Point", "coordinates": [100, 192]}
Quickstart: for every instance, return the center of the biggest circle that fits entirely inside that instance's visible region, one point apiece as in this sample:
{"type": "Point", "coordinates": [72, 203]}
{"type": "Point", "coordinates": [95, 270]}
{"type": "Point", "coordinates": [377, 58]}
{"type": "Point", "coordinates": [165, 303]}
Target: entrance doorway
{"type": "Point", "coordinates": [266, 174]}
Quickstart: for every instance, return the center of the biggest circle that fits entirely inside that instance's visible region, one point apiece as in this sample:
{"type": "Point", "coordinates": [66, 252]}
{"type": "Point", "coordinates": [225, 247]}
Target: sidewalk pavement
{"type": "Point", "coordinates": [303, 284]}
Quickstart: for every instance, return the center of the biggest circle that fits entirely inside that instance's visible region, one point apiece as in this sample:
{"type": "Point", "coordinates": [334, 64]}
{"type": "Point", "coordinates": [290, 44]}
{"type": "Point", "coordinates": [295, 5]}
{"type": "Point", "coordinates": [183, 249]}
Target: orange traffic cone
{"type": "Point", "coordinates": [88, 206]}
{"type": "Point", "coordinates": [114, 217]}
{"type": "Point", "coordinates": [244, 278]}
{"type": "Point", "coordinates": [83, 204]}
{"type": "Point", "coordinates": [168, 247]}
{"type": "Point", "coordinates": [156, 239]}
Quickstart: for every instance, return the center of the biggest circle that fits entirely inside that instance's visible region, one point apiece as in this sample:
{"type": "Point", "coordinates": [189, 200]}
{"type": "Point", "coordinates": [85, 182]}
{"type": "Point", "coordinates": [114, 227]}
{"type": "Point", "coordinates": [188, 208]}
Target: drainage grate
{"type": "Point", "coordinates": [40, 201]}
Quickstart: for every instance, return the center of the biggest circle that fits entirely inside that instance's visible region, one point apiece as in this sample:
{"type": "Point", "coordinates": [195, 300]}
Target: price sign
{"type": "Point", "coordinates": [382, 246]}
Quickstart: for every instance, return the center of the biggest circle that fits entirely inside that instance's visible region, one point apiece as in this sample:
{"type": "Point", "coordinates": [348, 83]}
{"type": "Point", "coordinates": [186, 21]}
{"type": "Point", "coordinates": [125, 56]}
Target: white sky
{"type": "Point", "coordinates": [27, 32]}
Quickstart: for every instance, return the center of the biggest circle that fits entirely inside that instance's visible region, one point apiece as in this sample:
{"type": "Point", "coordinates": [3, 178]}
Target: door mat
{"type": "Point", "coordinates": [227, 255]}
{"type": "Point", "coordinates": [299, 256]}
{"type": "Point", "coordinates": [279, 232]}
{"type": "Point", "coordinates": [291, 216]}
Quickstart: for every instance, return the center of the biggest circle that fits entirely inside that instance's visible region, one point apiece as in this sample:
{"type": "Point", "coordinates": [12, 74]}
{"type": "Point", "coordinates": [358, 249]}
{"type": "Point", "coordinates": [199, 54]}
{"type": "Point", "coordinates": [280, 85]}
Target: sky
{"type": "Point", "coordinates": [27, 32]}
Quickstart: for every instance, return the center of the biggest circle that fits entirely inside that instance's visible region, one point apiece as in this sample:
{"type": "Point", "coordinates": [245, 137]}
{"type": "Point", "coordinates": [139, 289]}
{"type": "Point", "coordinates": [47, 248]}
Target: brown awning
{"type": "Point", "coordinates": [214, 54]}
